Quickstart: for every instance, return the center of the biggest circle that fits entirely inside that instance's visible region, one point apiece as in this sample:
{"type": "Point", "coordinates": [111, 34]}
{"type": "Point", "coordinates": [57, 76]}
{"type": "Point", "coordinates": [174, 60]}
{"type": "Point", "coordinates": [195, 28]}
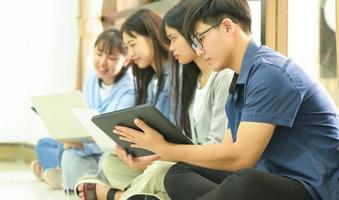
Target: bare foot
{"type": "Point", "coordinates": [100, 190]}
{"type": "Point", "coordinates": [36, 169]}
{"type": "Point", "coordinates": [117, 195]}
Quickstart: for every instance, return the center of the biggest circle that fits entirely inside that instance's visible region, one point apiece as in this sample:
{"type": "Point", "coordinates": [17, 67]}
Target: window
{"type": "Point", "coordinates": [312, 41]}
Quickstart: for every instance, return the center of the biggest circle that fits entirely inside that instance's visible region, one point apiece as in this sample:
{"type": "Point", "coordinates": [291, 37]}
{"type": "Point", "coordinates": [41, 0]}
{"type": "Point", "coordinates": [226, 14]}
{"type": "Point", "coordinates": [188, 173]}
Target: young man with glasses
{"type": "Point", "coordinates": [283, 141]}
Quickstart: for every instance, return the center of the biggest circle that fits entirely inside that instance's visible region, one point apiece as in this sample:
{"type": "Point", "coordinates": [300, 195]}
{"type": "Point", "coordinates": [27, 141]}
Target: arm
{"type": "Point", "coordinates": [127, 99]}
{"type": "Point", "coordinates": [244, 153]}
{"type": "Point", "coordinates": [265, 107]}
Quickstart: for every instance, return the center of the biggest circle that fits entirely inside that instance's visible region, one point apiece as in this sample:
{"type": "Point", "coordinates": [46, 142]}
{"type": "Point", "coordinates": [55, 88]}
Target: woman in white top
{"type": "Point", "coordinates": [202, 95]}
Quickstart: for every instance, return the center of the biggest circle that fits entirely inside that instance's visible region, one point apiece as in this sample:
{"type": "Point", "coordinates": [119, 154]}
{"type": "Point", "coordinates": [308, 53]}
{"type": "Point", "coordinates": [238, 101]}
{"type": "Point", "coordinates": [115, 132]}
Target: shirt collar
{"type": "Point", "coordinates": [247, 62]}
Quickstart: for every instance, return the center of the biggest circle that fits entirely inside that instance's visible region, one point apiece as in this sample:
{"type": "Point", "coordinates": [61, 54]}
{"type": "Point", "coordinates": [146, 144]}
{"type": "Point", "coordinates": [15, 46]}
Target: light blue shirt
{"type": "Point", "coordinates": [305, 144]}
{"type": "Point", "coordinates": [122, 95]}
{"type": "Point", "coordinates": [163, 101]}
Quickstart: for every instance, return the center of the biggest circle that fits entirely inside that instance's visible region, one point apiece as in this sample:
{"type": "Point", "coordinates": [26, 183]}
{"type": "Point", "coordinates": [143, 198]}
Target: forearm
{"type": "Point", "coordinates": [215, 156]}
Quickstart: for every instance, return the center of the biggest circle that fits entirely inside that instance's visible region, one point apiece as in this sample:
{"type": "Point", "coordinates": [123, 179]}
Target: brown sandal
{"type": "Point", "coordinates": [89, 191]}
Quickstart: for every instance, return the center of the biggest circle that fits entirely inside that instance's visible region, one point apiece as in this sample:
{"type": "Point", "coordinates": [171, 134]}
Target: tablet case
{"type": "Point", "coordinates": [148, 113]}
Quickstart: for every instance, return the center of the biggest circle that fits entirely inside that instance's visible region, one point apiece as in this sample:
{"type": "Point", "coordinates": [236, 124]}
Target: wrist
{"type": "Point", "coordinates": [163, 150]}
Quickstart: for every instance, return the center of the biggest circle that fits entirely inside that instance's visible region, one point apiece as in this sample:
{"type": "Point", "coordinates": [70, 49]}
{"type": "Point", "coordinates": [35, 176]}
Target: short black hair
{"type": "Point", "coordinates": [213, 11]}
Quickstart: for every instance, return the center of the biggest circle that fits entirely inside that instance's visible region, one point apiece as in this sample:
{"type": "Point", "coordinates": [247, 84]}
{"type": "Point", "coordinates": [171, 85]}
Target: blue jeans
{"type": "Point", "coordinates": [75, 166]}
{"type": "Point", "coordinates": [49, 152]}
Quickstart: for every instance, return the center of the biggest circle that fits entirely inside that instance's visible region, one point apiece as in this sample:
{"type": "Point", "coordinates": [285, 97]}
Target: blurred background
{"type": "Point", "coordinates": [45, 47]}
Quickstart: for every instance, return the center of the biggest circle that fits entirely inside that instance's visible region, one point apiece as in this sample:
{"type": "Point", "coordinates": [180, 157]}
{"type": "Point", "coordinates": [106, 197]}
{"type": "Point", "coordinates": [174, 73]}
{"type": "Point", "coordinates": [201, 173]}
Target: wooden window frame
{"type": "Point", "coordinates": [275, 25]}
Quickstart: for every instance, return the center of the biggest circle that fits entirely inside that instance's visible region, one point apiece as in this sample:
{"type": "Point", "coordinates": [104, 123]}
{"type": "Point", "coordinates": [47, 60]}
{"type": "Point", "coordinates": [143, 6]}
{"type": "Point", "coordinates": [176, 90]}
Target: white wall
{"type": "Point", "coordinates": [303, 34]}
{"type": "Point", "coordinates": [38, 48]}
{"type": "Point", "coordinates": [256, 19]}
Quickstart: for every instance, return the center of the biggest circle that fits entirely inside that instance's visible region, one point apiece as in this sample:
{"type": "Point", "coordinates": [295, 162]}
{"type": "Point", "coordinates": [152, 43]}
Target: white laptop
{"type": "Point", "coordinates": [55, 110]}
{"type": "Point", "coordinates": [85, 115]}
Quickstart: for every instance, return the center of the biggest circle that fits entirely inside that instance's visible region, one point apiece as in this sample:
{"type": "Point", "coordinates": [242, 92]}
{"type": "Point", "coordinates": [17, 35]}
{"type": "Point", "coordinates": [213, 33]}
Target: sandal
{"type": "Point", "coordinates": [89, 185]}
{"type": "Point", "coordinates": [89, 191]}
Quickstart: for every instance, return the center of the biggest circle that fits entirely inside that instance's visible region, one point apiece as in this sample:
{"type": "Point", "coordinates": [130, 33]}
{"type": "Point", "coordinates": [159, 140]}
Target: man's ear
{"type": "Point", "coordinates": [228, 25]}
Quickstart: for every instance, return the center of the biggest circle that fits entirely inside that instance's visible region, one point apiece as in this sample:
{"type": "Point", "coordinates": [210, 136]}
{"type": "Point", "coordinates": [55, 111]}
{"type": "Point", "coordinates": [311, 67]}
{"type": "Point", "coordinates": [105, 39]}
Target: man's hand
{"type": "Point", "coordinates": [148, 138]}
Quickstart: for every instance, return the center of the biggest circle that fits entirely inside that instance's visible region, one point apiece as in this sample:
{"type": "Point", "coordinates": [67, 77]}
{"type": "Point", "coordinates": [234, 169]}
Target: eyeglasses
{"type": "Point", "coordinates": [197, 40]}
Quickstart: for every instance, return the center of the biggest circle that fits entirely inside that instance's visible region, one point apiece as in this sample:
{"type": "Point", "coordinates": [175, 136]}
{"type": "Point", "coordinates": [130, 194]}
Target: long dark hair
{"type": "Point", "coordinates": [108, 42]}
{"type": "Point", "coordinates": [174, 18]}
{"type": "Point", "coordinates": [147, 23]}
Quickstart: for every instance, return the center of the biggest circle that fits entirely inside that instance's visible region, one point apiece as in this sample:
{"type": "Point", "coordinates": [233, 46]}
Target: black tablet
{"type": "Point", "coordinates": [148, 113]}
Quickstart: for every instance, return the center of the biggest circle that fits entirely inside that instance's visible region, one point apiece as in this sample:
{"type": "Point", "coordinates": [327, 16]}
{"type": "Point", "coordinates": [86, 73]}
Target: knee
{"type": "Point", "coordinates": [158, 168]}
{"type": "Point", "coordinates": [71, 161]}
{"type": "Point", "coordinates": [242, 180]}
{"type": "Point", "coordinates": [169, 181]}
{"type": "Point", "coordinates": [155, 172]}
{"type": "Point", "coordinates": [43, 142]}
{"type": "Point", "coordinates": [69, 155]}
{"type": "Point", "coordinates": [67, 159]}
{"type": "Point", "coordinates": [172, 178]}
{"type": "Point", "coordinates": [106, 162]}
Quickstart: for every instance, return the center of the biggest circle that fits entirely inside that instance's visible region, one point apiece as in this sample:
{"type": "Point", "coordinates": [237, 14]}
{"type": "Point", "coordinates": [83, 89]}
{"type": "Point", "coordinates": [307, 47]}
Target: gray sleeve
{"type": "Point", "coordinates": [219, 120]}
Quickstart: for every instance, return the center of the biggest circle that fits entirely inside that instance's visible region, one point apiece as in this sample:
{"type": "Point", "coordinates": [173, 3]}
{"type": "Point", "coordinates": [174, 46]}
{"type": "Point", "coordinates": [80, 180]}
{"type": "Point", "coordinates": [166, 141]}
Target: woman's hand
{"type": "Point", "coordinates": [149, 139]}
{"type": "Point", "coordinates": [138, 163]}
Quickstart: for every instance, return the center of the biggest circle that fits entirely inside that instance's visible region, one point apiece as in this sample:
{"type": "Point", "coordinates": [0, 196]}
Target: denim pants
{"type": "Point", "coordinates": [74, 163]}
{"type": "Point", "coordinates": [75, 166]}
{"type": "Point", "coordinates": [49, 152]}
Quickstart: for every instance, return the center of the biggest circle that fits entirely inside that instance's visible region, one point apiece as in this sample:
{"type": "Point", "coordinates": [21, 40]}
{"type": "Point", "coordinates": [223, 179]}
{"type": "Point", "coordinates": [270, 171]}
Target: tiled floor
{"type": "Point", "coordinates": [17, 182]}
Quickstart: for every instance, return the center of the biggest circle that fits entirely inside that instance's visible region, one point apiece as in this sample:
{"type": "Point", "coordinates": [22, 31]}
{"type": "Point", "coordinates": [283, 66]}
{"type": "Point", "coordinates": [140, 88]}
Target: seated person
{"type": "Point", "coordinates": [108, 87]}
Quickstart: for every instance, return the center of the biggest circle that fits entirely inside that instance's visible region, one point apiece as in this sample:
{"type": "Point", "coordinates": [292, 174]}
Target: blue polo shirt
{"type": "Point", "coordinates": [305, 145]}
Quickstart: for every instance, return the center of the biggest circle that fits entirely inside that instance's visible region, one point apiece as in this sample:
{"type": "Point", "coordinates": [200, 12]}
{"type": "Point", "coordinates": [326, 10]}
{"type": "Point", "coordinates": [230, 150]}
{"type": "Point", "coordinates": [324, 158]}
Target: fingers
{"type": "Point", "coordinates": [122, 154]}
{"type": "Point", "coordinates": [126, 139]}
{"type": "Point", "coordinates": [126, 132]}
{"type": "Point", "coordinates": [149, 158]}
{"type": "Point", "coordinates": [118, 148]}
{"type": "Point", "coordinates": [142, 125]}
{"type": "Point", "coordinates": [136, 146]}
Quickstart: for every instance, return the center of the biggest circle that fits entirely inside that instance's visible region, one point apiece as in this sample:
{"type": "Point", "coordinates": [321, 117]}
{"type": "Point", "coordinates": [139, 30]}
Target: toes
{"type": "Point", "coordinates": [81, 195]}
{"type": "Point", "coordinates": [80, 188]}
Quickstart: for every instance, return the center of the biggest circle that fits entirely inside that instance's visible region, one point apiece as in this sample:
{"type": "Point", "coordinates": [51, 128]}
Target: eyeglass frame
{"type": "Point", "coordinates": [196, 40]}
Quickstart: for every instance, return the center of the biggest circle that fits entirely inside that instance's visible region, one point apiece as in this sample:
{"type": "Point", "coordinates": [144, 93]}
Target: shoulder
{"type": "Point", "coordinates": [91, 78]}
{"type": "Point", "coordinates": [222, 78]}
{"type": "Point", "coordinates": [223, 75]}
{"type": "Point", "coordinates": [90, 74]}
{"type": "Point", "coordinates": [273, 81]}
{"type": "Point", "coordinates": [127, 79]}
{"type": "Point", "coordinates": [272, 68]}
